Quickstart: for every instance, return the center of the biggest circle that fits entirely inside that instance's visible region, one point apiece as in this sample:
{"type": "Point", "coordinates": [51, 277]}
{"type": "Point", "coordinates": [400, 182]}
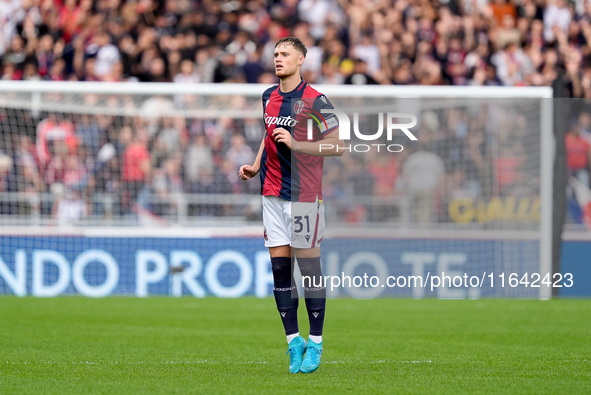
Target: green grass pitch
{"type": "Point", "coordinates": [179, 346]}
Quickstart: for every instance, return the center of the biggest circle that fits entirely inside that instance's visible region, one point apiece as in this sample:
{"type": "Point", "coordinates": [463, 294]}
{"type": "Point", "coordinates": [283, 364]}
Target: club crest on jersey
{"type": "Point", "coordinates": [298, 107]}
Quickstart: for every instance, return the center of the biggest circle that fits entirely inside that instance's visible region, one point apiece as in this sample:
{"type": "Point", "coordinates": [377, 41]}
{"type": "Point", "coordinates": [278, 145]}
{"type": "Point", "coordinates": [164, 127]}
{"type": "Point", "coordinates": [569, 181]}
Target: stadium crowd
{"type": "Point", "coordinates": [426, 42]}
{"type": "Point", "coordinates": [501, 42]}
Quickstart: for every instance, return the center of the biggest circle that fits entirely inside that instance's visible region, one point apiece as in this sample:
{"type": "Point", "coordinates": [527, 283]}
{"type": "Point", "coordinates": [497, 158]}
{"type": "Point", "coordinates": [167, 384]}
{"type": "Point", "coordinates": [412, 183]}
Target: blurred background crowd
{"type": "Point", "coordinates": [430, 42]}
{"type": "Point", "coordinates": [402, 42]}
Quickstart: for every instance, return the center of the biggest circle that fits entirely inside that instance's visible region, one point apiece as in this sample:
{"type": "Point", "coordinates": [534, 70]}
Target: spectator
{"type": "Point", "coordinates": [330, 74]}
{"type": "Point", "coordinates": [509, 161]}
{"type": "Point", "coordinates": [57, 71]}
{"type": "Point", "coordinates": [55, 175]}
{"type": "Point", "coordinates": [5, 169]}
{"type": "Point", "coordinates": [557, 17]}
{"type": "Point", "coordinates": [384, 171]}
{"type": "Point", "coordinates": [229, 180]}
{"type": "Point", "coordinates": [226, 69]}
{"type": "Point", "coordinates": [72, 16]}
{"type": "Point", "coordinates": [502, 9]}
{"type": "Point", "coordinates": [205, 64]}
{"type": "Point", "coordinates": [167, 187]}
{"type": "Point", "coordinates": [360, 75]}
{"type": "Point", "coordinates": [16, 55]}
{"type": "Point", "coordinates": [45, 54]}
{"type": "Point", "coordinates": [50, 131]}
{"type": "Point", "coordinates": [116, 74]}
{"type": "Point", "coordinates": [511, 64]}
{"type": "Point", "coordinates": [318, 13]}
{"type": "Point", "coordinates": [88, 132]}
{"type": "Point", "coordinates": [28, 179]}
{"type": "Point", "coordinates": [7, 206]}
{"type": "Point", "coordinates": [171, 136]}
{"type": "Point", "coordinates": [27, 166]}
{"type": "Point", "coordinates": [208, 183]}
{"type": "Point", "coordinates": [584, 123]}
{"type": "Point", "coordinates": [9, 73]}
{"type": "Point", "coordinates": [128, 54]}
{"type": "Point", "coordinates": [253, 69]}
{"type": "Point", "coordinates": [157, 71]}
{"type": "Point", "coordinates": [187, 74]}
{"type": "Point", "coordinates": [71, 205]}
{"type": "Point", "coordinates": [241, 47]}
{"type": "Point", "coordinates": [199, 155]}
{"type": "Point", "coordinates": [312, 66]}
{"type": "Point", "coordinates": [368, 51]}
{"type": "Point", "coordinates": [578, 152]}
{"type": "Point", "coordinates": [107, 179]}
{"type": "Point", "coordinates": [239, 151]}
{"type": "Point", "coordinates": [422, 176]}
{"type": "Point", "coordinates": [135, 170]}
{"type": "Point", "coordinates": [11, 13]}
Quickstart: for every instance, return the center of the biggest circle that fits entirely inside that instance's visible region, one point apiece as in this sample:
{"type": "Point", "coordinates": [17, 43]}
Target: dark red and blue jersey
{"type": "Point", "coordinates": [294, 176]}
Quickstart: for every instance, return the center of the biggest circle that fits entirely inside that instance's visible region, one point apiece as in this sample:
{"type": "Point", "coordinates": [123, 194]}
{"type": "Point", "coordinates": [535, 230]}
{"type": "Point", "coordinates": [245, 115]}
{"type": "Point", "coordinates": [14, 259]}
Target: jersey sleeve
{"type": "Point", "coordinates": [326, 122]}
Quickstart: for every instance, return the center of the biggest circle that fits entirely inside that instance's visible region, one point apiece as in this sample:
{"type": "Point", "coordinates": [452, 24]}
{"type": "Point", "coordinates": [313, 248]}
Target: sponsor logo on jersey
{"type": "Point", "coordinates": [280, 121]}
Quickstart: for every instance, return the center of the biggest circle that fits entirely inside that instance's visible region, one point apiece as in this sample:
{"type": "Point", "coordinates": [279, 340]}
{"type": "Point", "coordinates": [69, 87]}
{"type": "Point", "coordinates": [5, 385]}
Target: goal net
{"type": "Point", "coordinates": [133, 189]}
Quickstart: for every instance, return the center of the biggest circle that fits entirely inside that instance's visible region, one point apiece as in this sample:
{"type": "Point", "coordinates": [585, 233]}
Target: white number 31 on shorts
{"type": "Point", "coordinates": [298, 224]}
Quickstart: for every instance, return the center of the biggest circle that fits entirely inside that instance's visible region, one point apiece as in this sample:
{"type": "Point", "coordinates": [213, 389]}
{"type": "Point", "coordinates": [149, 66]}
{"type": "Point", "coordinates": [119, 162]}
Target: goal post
{"type": "Point", "coordinates": [66, 184]}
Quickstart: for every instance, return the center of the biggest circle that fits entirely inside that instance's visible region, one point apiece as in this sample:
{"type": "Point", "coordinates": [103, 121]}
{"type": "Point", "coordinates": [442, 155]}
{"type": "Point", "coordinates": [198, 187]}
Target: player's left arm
{"type": "Point", "coordinates": [329, 145]}
{"type": "Point", "coordinates": [326, 142]}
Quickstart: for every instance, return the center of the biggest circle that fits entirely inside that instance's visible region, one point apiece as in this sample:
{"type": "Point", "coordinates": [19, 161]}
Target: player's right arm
{"type": "Point", "coordinates": [247, 172]}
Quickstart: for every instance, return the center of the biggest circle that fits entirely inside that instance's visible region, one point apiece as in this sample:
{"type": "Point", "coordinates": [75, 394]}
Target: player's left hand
{"type": "Point", "coordinates": [281, 135]}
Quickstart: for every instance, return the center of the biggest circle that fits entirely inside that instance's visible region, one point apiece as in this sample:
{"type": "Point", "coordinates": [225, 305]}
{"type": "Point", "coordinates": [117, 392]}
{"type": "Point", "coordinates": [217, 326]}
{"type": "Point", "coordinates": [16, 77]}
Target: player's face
{"type": "Point", "coordinates": [287, 60]}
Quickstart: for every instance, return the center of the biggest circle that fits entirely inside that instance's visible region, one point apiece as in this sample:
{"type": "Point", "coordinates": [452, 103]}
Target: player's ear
{"type": "Point", "coordinates": [301, 60]}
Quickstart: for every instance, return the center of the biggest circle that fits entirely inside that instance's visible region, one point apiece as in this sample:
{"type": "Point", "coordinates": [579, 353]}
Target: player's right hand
{"type": "Point", "coordinates": [247, 172]}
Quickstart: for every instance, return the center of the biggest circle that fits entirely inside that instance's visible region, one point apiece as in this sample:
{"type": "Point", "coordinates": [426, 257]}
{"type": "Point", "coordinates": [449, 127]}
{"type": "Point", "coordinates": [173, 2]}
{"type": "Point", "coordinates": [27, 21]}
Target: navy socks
{"type": "Point", "coordinates": [314, 293]}
{"type": "Point", "coordinates": [286, 293]}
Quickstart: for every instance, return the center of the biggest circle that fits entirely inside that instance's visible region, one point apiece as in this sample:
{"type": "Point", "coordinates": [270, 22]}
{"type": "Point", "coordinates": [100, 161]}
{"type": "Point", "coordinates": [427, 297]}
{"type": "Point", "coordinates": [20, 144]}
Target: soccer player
{"type": "Point", "coordinates": [290, 161]}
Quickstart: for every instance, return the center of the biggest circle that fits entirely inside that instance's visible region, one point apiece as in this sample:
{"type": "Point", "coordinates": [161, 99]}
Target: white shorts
{"type": "Point", "coordinates": [297, 224]}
